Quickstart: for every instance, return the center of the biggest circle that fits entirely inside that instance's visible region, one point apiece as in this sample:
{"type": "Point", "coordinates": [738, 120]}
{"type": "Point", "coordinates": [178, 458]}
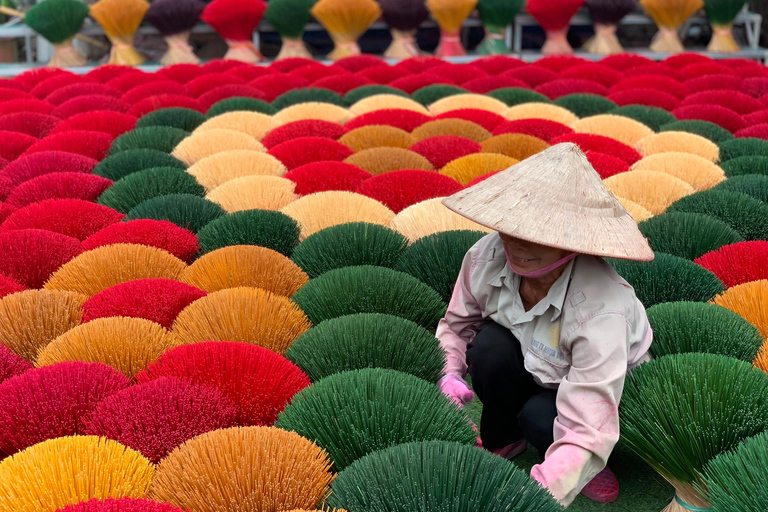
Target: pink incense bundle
{"type": "Point", "coordinates": [68, 92]}
{"type": "Point", "coordinates": [235, 21]}
{"type": "Point", "coordinates": [656, 82]}
{"type": "Point", "coordinates": [224, 92]}
{"type": "Point", "coordinates": [14, 144]}
{"type": "Point", "coordinates": [442, 149]}
{"type": "Point", "coordinates": [136, 94]}
{"type": "Point", "coordinates": [554, 16]}
{"type": "Point", "coordinates": [532, 75]}
{"type": "Point", "coordinates": [11, 365]}
{"type": "Point", "coordinates": [158, 300]}
{"type": "Point", "coordinates": [486, 84]}
{"type": "Point", "coordinates": [721, 116]}
{"type": "Point", "coordinates": [484, 118]}
{"type": "Point", "coordinates": [30, 256]}
{"type": "Point", "coordinates": [566, 86]}
{"type": "Point", "coordinates": [416, 81]}
{"type": "Point", "coordinates": [82, 142]}
{"type": "Point", "coordinates": [161, 234]}
{"type": "Point", "coordinates": [89, 103]}
{"type": "Point", "coordinates": [407, 120]}
{"type": "Point", "coordinates": [149, 105]}
{"type": "Point", "coordinates": [157, 416]}
{"type": "Point", "coordinates": [58, 185]}
{"type": "Point", "coordinates": [717, 82]}
{"type": "Point", "coordinates": [342, 84]}
{"type": "Point", "coordinates": [52, 401]}
{"type": "Point", "coordinates": [458, 73]}
{"type": "Point", "coordinates": [204, 83]}
{"type": "Point", "coordinates": [645, 96]}
{"type": "Point", "coordinates": [739, 102]}
{"type": "Point", "coordinates": [303, 128]}
{"type": "Point", "coordinates": [29, 123]}
{"type": "Point", "coordinates": [31, 166]}
{"type": "Point", "coordinates": [543, 129]}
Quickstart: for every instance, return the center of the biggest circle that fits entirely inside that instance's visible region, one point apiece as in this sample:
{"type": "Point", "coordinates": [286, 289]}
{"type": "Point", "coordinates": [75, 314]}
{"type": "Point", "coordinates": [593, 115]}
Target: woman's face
{"type": "Point", "coordinates": [526, 257]}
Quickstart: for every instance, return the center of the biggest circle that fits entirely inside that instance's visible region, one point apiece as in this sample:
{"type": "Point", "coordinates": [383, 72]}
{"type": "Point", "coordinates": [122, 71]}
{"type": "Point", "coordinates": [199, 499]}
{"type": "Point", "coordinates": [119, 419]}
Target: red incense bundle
{"type": "Point", "coordinates": [235, 21]}
{"type": "Point", "coordinates": [554, 16]}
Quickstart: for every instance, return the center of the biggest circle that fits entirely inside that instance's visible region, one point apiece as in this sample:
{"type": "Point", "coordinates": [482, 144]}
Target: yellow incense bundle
{"type": "Point", "coordinates": [120, 20]}
{"type": "Point", "coordinates": [669, 16]}
{"type": "Point", "coordinates": [346, 21]}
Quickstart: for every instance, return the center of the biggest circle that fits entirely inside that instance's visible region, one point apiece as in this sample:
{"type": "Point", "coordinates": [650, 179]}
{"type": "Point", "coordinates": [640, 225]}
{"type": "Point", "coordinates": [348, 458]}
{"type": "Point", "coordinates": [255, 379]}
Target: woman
{"type": "Point", "coordinates": [546, 328]}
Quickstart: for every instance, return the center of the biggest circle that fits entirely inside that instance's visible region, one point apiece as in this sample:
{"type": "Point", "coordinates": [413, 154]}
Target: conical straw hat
{"type": "Point", "coordinates": [554, 198]}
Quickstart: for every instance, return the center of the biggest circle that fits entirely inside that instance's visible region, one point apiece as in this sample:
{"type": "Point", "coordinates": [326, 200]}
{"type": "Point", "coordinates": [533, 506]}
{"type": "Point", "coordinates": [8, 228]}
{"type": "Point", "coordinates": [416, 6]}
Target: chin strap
{"type": "Point", "coordinates": [542, 271]}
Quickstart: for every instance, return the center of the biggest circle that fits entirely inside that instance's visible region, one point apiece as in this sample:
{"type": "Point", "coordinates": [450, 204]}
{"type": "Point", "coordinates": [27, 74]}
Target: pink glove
{"type": "Point", "coordinates": [456, 389]}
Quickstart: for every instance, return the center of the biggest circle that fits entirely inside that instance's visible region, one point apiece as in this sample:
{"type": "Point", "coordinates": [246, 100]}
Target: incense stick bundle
{"type": "Point", "coordinates": [120, 20]}
{"type": "Point", "coordinates": [346, 21]}
{"type": "Point", "coordinates": [669, 16]}
{"type": "Point", "coordinates": [403, 18]}
{"type": "Point", "coordinates": [721, 14]}
{"type": "Point", "coordinates": [496, 15]}
{"type": "Point", "coordinates": [235, 21]}
{"type": "Point", "coordinates": [174, 19]}
{"type": "Point", "coordinates": [58, 21]}
{"type": "Point", "coordinates": [554, 16]}
{"type": "Point", "coordinates": [289, 17]}
{"type": "Point", "coordinates": [606, 15]}
{"type": "Point", "coordinates": [450, 15]}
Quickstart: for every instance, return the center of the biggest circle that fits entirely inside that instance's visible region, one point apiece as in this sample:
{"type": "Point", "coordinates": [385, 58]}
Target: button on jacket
{"type": "Point", "coordinates": [580, 339]}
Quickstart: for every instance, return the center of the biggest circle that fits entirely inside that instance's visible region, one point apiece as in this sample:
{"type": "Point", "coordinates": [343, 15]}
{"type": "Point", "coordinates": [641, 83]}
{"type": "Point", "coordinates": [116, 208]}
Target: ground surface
{"type": "Point", "coordinates": [642, 489]}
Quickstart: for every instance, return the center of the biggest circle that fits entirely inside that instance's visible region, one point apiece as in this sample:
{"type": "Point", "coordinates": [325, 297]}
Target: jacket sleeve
{"type": "Point", "coordinates": [464, 315]}
{"type": "Point", "coordinates": [587, 426]}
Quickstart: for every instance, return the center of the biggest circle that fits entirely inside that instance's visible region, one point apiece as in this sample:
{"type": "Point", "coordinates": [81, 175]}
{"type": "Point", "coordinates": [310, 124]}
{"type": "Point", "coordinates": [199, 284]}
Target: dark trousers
{"type": "Point", "coordinates": [514, 406]}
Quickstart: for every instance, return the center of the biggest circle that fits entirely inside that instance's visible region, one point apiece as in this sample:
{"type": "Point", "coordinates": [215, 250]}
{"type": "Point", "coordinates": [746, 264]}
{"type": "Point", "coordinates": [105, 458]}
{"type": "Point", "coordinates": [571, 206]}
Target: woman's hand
{"type": "Point", "coordinates": [456, 389]}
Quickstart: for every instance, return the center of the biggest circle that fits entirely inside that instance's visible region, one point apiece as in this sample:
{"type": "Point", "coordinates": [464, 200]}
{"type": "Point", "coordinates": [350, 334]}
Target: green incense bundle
{"type": "Point", "coordinates": [496, 16]}
{"type": "Point", "coordinates": [58, 21]}
{"type": "Point", "coordinates": [289, 17]}
{"type": "Point", "coordinates": [721, 14]}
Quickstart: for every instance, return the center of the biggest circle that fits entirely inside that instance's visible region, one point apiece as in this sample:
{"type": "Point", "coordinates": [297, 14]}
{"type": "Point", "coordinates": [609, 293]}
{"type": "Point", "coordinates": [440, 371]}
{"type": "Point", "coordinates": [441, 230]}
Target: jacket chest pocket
{"type": "Point", "coordinates": [545, 370]}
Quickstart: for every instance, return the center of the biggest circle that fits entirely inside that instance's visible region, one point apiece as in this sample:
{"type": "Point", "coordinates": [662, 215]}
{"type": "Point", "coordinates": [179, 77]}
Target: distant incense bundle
{"type": "Point", "coordinates": [235, 21]}
{"type": "Point", "coordinates": [496, 16]}
{"type": "Point", "coordinates": [289, 17]}
{"type": "Point", "coordinates": [58, 21]}
{"type": "Point", "coordinates": [669, 16]}
{"type": "Point", "coordinates": [554, 16]}
{"type": "Point", "coordinates": [450, 15]}
{"type": "Point", "coordinates": [606, 15]}
{"type": "Point", "coordinates": [346, 21]}
{"type": "Point", "coordinates": [721, 14]}
{"type": "Point", "coordinates": [120, 20]}
{"type": "Point", "coordinates": [403, 18]}
{"type": "Point", "coordinates": [174, 19]}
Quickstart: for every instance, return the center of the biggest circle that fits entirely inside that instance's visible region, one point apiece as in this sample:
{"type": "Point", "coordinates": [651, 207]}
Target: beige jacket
{"type": "Point", "coordinates": [580, 339]}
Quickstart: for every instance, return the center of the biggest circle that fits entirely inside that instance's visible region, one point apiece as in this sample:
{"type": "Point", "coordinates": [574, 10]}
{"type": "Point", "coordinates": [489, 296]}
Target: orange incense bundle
{"type": "Point", "coordinates": [554, 16]}
{"type": "Point", "coordinates": [669, 15]}
{"type": "Point", "coordinates": [120, 20]}
{"type": "Point", "coordinates": [235, 21]}
{"type": "Point", "coordinates": [346, 21]}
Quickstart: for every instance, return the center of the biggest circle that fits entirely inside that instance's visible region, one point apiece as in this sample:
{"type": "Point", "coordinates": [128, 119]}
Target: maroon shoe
{"type": "Point", "coordinates": [604, 488]}
{"type": "Point", "coordinates": [511, 451]}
